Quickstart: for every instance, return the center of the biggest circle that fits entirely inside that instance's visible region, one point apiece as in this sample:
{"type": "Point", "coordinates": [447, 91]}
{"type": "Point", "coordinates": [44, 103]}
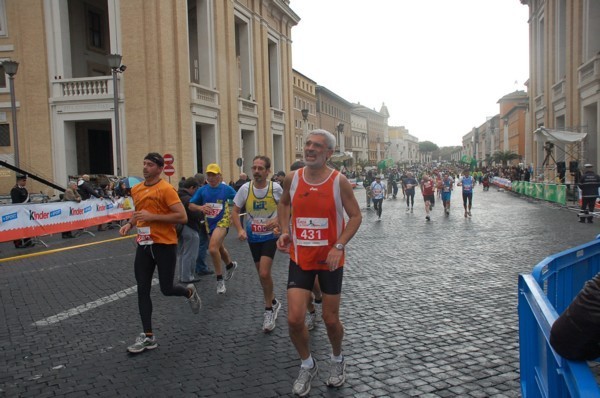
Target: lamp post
{"type": "Point", "coordinates": [505, 146]}
{"type": "Point", "coordinates": [114, 62]}
{"type": "Point", "coordinates": [340, 130]}
{"type": "Point", "coordinates": [378, 149]}
{"type": "Point", "coordinates": [305, 123]}
{"type": "Point", "coordinates": [11, 67]}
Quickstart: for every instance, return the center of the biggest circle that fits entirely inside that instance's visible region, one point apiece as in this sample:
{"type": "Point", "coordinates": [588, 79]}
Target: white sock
{"type": "Point", "coordinates": [338, 358]}
{"type": "Point", "coordinates": [308, 363]}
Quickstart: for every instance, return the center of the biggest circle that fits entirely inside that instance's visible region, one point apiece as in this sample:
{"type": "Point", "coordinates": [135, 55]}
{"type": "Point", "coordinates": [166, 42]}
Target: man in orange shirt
{"type": "Point", "coordinates": [314, 200]}
{"type": "Point", "coordinates": [157, 210]}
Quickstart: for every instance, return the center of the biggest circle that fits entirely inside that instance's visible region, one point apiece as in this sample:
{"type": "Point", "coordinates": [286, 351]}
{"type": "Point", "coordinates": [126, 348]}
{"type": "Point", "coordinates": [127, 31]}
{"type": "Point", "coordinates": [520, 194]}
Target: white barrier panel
{"type": "Point", "coordinates": [29, 220]}
{"type": "Point", "coordinates": [502, 182]}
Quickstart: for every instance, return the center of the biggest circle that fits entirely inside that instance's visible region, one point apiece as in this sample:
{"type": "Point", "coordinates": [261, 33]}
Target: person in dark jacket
{"type": "Point", "coordinates": [201, 266]}
{"type": "Point", "coordinates": [575, 335]}
{"type": "Point", "coordinates": [589, 184]}
{"type": "Point", "coordinates": [71, 194]}
{"type": "Point", "coordinates": [85, 188]}
{"type": "Point", "coordinates": [241, 181]}
{"type": "Point", "coordinates": [19, 194]}
{"type": "Point", "coordinates": [188, 239]}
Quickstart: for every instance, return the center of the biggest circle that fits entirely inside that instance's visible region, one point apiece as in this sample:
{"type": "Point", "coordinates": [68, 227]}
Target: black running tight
{"type": "Point", "coordinates": [410, 198]}
{"type": "Point", "coordinates": [378, 206]}
{"type": "Point", "coordinates": [147, 258]}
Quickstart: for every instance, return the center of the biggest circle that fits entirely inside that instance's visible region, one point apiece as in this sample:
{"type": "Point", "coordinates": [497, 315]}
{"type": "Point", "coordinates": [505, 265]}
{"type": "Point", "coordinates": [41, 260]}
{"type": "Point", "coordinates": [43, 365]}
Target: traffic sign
{"type": "Point", "coordinates": [169, 170]}
{"type": "Point", "coordinates": [169, 159]}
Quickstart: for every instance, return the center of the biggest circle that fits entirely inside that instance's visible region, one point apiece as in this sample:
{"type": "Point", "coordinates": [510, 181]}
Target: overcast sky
{"type": "Point", "coordinates": [440, 66]}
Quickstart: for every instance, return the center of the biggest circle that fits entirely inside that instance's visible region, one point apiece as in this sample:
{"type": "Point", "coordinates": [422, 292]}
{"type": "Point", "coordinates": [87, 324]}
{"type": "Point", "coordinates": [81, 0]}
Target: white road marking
{"type": "Point", "coordinates": [88, 306]}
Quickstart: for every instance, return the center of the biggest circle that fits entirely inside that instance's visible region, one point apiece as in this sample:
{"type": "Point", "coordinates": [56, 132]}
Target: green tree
{"type": "Point", "coordinates": [504, 157]}
{"type": "Point", "coordinates": [488, 159]}
{"type": "Point", "coordinates": [427, 146]}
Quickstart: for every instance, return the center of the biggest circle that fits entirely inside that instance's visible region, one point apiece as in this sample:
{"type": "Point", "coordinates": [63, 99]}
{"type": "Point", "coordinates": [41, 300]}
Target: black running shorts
{"type": "Point", "coordinates": [260, 249]}
{"type": "Point", "coordinates": [329, 281]}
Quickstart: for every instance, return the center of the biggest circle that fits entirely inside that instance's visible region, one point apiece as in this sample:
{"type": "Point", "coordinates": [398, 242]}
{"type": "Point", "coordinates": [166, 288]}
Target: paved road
{"type": "Point", "coordinates": [430, 310]}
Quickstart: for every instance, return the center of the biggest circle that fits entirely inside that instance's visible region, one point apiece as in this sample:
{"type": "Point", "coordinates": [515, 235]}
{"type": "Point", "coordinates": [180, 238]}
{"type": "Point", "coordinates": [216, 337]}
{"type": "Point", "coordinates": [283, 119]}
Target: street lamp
{"type": "Point", "coordinates": [340, 130]}
{"type": "Point", "coordinates": [114, 62]}
{"type": "Point", "coordinates": [305, 122]}
{"type": "Point", "coordinates": [11, 67]}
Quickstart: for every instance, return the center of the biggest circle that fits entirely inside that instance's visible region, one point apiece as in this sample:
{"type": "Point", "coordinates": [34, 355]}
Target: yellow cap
{"type": "Point", "coordinates": [213, 168]}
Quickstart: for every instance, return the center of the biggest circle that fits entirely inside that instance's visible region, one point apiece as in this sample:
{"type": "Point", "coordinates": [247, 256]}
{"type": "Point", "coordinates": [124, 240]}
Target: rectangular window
{"type": "Point", "coordinates": [97, 29]}
{"type": "Point", "coordinates": [3, 30]}
{"type": "Point", "coordinates": [3, 80]}
{"type": "Point", "coordinates": [4, 134]}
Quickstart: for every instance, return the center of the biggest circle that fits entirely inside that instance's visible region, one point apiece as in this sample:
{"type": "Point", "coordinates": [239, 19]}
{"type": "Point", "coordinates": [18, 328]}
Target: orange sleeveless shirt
{"type": "Point", "coordinates": [317, 220]}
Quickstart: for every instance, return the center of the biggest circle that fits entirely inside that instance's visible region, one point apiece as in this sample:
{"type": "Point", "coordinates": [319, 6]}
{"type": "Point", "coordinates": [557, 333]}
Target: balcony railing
{"type": "Point", "coordinates": [203, 95]}
{"type": "Point", "coordinates": [277, 115]}
{"type": "Point", "coordinates": [83, 88]}
{"type": "Point", "coordinates": [590, 71]}
{"type": "Point", "coordinates": [248, 107]}
{"type": "Point", "coordinates": [558, 90]}
{"type": "Point", "coordinates": [539, 101]}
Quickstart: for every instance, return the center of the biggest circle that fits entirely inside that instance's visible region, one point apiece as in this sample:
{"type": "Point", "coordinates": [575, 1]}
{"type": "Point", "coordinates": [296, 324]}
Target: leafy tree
{"type": "Point", "coordinates": [427, 146]}
{"type": "Point", "coordinates": [504, 157]}
{"type": "Point", "coordinates": [488, 159]}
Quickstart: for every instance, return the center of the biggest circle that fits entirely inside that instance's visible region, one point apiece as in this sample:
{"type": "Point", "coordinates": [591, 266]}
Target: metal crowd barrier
{"type": "Point", "coordinates": [543, 295]}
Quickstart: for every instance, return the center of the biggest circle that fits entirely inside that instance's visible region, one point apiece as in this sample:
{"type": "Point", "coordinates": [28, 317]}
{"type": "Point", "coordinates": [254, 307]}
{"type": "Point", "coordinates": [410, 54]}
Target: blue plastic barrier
{"type": "Point", "coordinates": [544, 373]}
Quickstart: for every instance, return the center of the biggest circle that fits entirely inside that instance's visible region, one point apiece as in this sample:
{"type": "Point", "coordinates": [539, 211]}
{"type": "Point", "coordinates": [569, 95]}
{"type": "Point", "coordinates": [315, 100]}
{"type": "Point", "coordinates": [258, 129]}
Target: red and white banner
{"type": "Point", "coordinates": [502, 182]}
{"type": "Point", "coordinates": [29, 220]}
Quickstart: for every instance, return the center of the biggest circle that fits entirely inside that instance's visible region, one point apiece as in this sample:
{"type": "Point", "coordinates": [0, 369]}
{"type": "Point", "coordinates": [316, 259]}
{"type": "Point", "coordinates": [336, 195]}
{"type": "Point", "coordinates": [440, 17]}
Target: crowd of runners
{"type": "Point", "coordinates": [437, 184]}
{"type": "Point", "coordinates": [310, 214]}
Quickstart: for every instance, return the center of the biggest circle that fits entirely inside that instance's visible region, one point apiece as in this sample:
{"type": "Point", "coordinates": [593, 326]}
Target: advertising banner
{"type": "Point", "coordinates": [30, 220]}
{"type": "Point", "coordinates": [538, 191]}
{"type": "Point", "coordinates": [530, 190]}
{"type": "Point", "coordinates": [561, 194]}
{"type": "Point", "coordinates": [517, 186]}
{"type": "Point", "coordinates": [502, 182]}
{"type": "Point", "coordinates": [550, 192]}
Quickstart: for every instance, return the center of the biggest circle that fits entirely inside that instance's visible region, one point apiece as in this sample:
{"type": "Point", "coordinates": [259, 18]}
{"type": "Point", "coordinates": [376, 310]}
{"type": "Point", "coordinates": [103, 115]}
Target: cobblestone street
{"type": "Point", "coordinates": [429, 308]}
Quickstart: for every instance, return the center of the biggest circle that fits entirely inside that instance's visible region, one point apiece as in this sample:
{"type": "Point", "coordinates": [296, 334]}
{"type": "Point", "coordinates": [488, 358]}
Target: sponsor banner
{"type": "Point", "coordinates": [502, 182]}
{"type": "Point", "coordinates": [561, 194]}
{"type": "Point", "coordinates": [550, 192]}
{"type": "Point", "coordinates": [538, 191]}
{"type": "Point", "coordinates": [29, 220]}
{"type": "Point", "coordinates": [517, 186]}
{"type": "Point", "coordinates": [529, 189]}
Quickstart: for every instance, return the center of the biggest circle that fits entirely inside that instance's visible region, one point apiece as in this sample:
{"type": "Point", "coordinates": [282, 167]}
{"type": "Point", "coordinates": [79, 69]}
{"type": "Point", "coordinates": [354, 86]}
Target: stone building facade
{"type": "Point", "coordinates": [205, 80]}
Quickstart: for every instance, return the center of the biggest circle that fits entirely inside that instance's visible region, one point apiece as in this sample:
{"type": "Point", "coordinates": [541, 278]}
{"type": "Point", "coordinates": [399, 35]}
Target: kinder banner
{"type": "Point", "coordinates": [502, 182]}
{"type": "Point", "coordinates": [29, 220]}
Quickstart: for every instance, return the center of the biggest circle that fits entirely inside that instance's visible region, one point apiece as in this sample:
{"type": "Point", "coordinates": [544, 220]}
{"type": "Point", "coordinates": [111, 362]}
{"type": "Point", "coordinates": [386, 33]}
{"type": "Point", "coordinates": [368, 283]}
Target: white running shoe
{"type": "Point", "coordinates": [310, 320]}
{"type": "Point", "coordinates": [229, 272]}
{"type": "Point", "coordinates": [302, 384]}
{"type": "Point", "coordinates": [194, 299]}
{"type": "Point", "coordinates": [142, 343]}
{"type": "Point", "coordinates": [270, 317]}
{"type": "Point", "coordinates": [337, 373]}
{"type": "Point", "coordinates": [221, 289]}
